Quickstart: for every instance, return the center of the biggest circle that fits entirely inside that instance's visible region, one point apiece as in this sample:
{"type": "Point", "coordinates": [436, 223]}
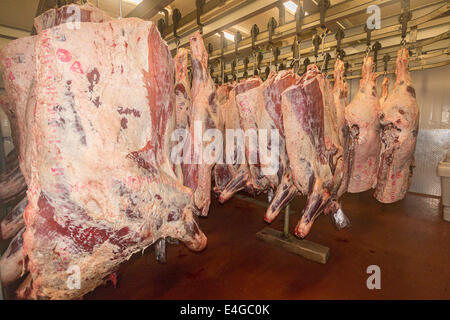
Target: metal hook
{"type": "Point", "coordinates": [323, 36]}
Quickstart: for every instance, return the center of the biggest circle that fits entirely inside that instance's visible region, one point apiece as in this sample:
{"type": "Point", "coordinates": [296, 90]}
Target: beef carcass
{"type": "Point", "coordinates": [13, 221]}
{"type": "Point", "coordinates": [224, 172]}
{"type": "Point", "coordinates": [270, 118]}
{"type": "Point", "coordinates": [183, 108]}
{"type": "Point", "coordinates": [102, 186]}
{"type": "Point", "coordinates": [12, 261]}
{"type": "Point", "coordinates": [17, 64]}
{"type": "Point", "coordinates": [362, 117]}
{"type": "Point", "coordinates": [232, 176]}
{"type": "Point", "coordinates": [312, 144]}
{"type": "Point", "coordinates": [399, 119]}
{"type": "Point", "coordinates": [73, 14]}
{"type": "Point", "coordinates": [182, 89]}
{"type": "Point", "coordinates": [340, 93]}
{"type": "Point", "coordinates": [260, 119]}
{"type": "Point", "coordinates": [205, 118]}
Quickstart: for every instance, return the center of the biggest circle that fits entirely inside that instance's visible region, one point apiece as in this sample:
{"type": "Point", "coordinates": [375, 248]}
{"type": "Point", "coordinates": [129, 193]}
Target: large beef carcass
{"type": "Point", "coordinates": [232, 176]}
{"type": "Point", "coordinates": [17, 64]}
{"type": "Point", "coordinates": [224, 172]}
{"type": "Point", "coordinates": [362, 117]}
{"type": "Point", "coordinates": [312, 144]}
{"type": "Point", "coordinates": [340, 94]}
{"type": "Point", "coordinates": [182, 89]}
{"type": "Point", "coordinates": [399, 119]}
{"type": "Point", "coordinates": [260, 118]}
{"type": "Point", "coordinates": [102, 186]}
{"type": "Point", "coordinates": [270, 118]}
{"type": "Point", "coordinates": [205, 118]}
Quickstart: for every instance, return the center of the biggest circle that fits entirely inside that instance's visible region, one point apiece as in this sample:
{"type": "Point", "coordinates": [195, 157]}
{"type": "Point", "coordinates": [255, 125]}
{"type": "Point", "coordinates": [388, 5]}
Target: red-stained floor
{"type": "Point", "coordinates": [408, 240]}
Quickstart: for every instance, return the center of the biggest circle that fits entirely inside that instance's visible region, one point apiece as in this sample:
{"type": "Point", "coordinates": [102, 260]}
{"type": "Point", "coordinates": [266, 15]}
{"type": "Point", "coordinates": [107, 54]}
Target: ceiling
{"type": "Point", "coordinates": [18, 15]}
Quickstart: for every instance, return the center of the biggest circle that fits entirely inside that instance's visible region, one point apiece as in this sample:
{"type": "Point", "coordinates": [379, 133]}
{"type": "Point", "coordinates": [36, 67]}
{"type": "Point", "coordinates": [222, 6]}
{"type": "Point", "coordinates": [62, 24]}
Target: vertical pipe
{"type": "Point", "coordinates": [281, 13]}
{"type": "Point", "coordinates": [286, 221]}
{"type": "Point", "coordinates": [2, 152]}
{"type": "Point", "coordinates": [120, 9]}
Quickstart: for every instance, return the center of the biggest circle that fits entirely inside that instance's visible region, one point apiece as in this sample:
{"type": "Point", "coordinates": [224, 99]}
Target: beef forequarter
{"type": "Point", "coordinates": [399, 119]}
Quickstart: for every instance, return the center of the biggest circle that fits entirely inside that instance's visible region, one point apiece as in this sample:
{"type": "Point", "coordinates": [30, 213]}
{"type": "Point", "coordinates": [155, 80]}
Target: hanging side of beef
{"type": "Point", "coordinates": [183, 106]}
{"type": "Point", "coordinates": [17, 66]}
{"type": "Point", "coordinates": [399, 120]}
{"type": "Point", "coordinates": [271, 118]}
{"type": "Point", "coordinates": [205, 115]}
{"type": "Point", "coordinates": [312, 143]}
{"type": "Point", "coordinates": [224, 171]}
{"type": "Point", "coordinates": [362, 117]}
{"type": "Point", "coordinates": [340, 94]}
{"type": "Point", "coordinates": [238, 170]}
{"type": "Point", "coordinates": [253, 116]}
{"type": "Point", "coordinates": [103, 187]}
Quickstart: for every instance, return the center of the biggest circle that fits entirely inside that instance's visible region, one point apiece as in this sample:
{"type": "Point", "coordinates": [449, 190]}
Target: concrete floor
{"type": "Point", "coordinates": [408, 240]}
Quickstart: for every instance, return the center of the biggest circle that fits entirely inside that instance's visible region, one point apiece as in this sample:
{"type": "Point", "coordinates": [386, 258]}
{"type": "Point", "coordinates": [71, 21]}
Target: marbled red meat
{"type": "Point", "coordinates": [399, 120]}
{"type": "Point", "coordinates": [362, 117]}
{"type": "Point", "coordinates": [102, 185]}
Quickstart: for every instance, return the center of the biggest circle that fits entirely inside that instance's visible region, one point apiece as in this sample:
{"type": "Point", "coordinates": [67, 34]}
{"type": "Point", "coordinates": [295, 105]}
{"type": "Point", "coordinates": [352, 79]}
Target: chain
{"type": "Point", "coordinates": [270, 60]}
{"type": "Point", "coordinates": [222, 66]}
{"type": "Point", "coordinates": [323, 36]}
{"type": "Point", "coordinates": [403, 43]}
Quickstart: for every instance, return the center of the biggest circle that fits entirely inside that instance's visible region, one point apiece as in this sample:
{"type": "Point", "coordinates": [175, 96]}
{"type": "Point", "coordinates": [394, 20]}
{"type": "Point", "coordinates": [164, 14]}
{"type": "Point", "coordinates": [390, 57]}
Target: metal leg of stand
{"type": "Point", "coordinates": [286, 221]}
{"type": "Point", "coordinates": [307, 249]}
{"type": "Point", "coordinates": [160, 250]}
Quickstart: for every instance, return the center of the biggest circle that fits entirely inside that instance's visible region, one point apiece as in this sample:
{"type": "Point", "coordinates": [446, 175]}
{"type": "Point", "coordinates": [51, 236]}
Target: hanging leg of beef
{"type": "Point", "coordinates": [399, 119]}
{"type": "Point", "coordinates": [102, 185]}
{"type": "Point", "coordinates": [224, 171]}
{"type": "Point", "coordinates": [183, 107]}
{"type": "Point", "coordinates": [270, 118]}
{"type": "Point", "coordinates": [248, 104]}
{"type": "Point", "coordinates": [17, 66]}
{"type": "Point", "coordinates": [205, 115]}
{"type": "Point", "coordinates": [362, 117]}
{"type": "Point", "coordinates": [233, 127]}
{"type": "Point", "coordinates": [312, 143]}
{"type": "Point", "coordinates": [340, 94]}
